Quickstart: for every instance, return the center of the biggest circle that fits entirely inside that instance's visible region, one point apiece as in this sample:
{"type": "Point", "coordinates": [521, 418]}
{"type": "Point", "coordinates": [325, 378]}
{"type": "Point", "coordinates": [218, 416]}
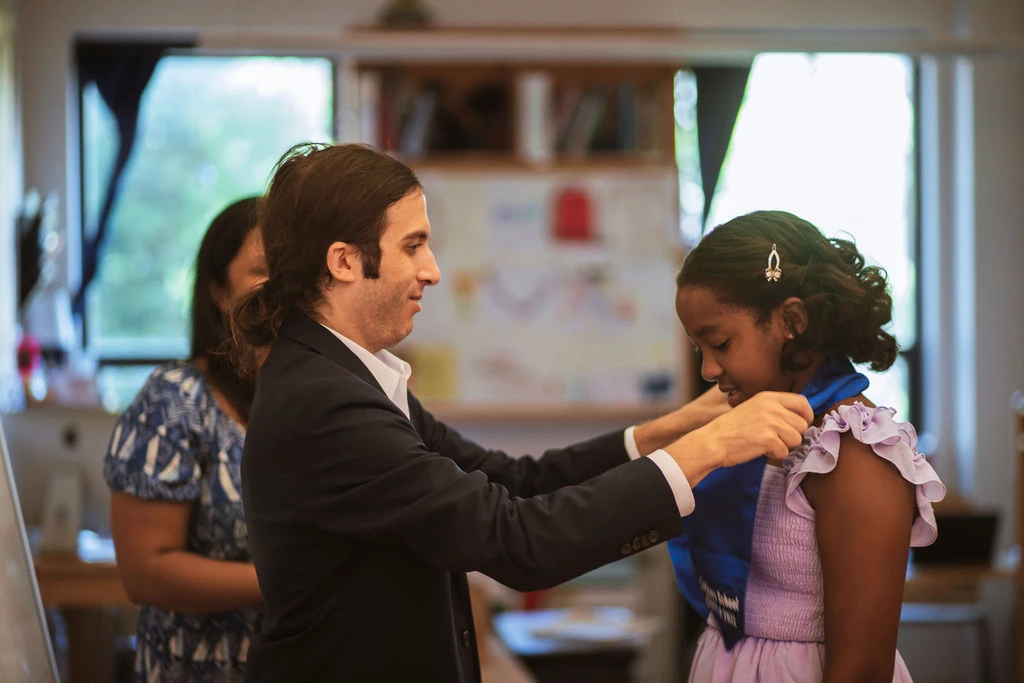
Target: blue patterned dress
{"type": "Point", "coordinates": [174, 443]}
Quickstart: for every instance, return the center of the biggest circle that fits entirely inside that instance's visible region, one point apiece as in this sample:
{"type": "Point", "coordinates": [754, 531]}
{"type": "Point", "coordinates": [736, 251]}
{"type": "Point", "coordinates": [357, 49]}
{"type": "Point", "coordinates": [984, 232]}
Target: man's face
{"type": "Point", "coordinates": [387, 304]}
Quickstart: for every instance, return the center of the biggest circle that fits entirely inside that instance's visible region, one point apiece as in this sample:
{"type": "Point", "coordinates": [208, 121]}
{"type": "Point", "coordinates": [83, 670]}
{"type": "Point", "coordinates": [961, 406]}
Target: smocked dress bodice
{"type": "Point", "coordinates": [785, 606]}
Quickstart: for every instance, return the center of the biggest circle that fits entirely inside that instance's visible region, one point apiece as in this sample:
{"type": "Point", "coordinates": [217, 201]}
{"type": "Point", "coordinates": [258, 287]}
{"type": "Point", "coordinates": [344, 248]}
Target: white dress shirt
{"type": "Point", "coordinates": [393, 373]}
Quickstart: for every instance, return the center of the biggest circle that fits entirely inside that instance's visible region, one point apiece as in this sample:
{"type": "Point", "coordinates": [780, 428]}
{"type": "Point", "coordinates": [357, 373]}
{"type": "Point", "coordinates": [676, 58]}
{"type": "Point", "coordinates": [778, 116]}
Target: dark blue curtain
{"type": "Point", "coordinates": [720, 92]}
{"type": "Point", "coordinates": [121, 72]}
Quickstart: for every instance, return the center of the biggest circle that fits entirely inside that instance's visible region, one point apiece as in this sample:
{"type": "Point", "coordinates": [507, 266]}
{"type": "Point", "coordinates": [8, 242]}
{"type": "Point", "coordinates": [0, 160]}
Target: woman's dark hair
{"type": "Point", "coordinates": [848, 303]}
{"type": "Point", "coordinates": [211, 330]}
{"type": "Point", "coordinates": [319, 194]}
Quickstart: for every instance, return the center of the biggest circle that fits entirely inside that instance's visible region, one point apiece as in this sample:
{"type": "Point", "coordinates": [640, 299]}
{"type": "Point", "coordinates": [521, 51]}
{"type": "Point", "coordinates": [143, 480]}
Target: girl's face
{"type": "Point", "coordinates": [740, 355]}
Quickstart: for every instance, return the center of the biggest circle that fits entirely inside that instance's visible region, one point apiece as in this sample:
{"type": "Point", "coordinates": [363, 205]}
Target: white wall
{"type": "Point", "coordinates": [41, 441]}
{"type": "Point", "coordinates": [998, 297]}
{"type": "Point", "coordinates": [10, 191]}
{"type": "Point", "coordinates": [975, 222]}
{"type": "Point", "coordinates": [990, 326]}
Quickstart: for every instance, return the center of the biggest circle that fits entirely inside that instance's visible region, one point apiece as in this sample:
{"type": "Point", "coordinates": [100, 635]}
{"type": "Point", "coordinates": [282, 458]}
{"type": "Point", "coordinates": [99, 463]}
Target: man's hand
{"type": "Point", "coordinates": [661, 431]}
{"type": "Point", "coordinates": [700, 411]}
{"type": "Point", "coordinates": [770, 424]}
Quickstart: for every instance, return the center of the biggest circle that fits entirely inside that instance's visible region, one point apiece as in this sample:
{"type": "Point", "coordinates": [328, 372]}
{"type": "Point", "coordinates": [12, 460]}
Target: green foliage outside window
{"type": "Point", "coordinates": [210, 131]}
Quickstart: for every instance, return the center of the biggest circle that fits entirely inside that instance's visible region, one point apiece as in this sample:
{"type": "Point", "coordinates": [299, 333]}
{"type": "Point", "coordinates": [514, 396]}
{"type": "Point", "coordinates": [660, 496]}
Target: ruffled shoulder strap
{"type": "Point", "coordinates": [889, 439]}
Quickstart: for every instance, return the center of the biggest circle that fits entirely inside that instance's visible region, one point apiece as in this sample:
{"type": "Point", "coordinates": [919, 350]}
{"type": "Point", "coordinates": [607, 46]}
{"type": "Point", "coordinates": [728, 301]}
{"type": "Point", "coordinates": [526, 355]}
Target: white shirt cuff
{"type": "Point", "coordinates": [631, 448]}
{"type": "Point", "coordinates": [676, 481]}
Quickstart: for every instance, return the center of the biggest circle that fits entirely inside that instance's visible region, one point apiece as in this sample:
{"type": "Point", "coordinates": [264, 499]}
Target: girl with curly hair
{"type": "Point", "coordinates": [798, 565]}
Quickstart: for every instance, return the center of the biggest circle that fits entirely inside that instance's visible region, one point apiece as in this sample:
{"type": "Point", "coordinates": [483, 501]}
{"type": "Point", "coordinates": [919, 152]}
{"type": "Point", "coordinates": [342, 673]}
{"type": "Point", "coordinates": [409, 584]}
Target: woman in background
{"type": "Point", "coordinates": [173, 468]}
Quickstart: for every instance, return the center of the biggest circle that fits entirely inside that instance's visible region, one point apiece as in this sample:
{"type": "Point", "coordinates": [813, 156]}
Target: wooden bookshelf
{"type": "Point", "coordinates": [581, 113]}
{"type": "Point", "coordinates": [551, 125]}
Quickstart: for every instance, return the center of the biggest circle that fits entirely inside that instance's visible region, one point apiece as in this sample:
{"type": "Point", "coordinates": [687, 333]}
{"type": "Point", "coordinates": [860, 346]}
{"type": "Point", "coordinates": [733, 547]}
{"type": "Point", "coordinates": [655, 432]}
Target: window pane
{"type": "Point", "coordinates": [831, 139]}
{"type": "Point", "coordinates": [118, 384]}
{"type": "Point", "coordinates": [99, 146]}
{"type": "Point", "coordinates": [691, 192]}
{"type": "Point", "coordinates": [889, 388]}
{"type": "Point", "coordinates": [210, 130]}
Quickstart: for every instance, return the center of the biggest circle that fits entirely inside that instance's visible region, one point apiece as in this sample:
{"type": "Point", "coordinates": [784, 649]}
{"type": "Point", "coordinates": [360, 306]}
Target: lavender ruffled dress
{"type": "Point", "coordinates": [785, 600]}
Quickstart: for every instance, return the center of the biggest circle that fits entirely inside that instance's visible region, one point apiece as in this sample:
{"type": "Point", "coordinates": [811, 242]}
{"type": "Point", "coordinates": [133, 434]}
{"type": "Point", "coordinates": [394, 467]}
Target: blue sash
{"type": "Point", "coordinates": [712, 557]}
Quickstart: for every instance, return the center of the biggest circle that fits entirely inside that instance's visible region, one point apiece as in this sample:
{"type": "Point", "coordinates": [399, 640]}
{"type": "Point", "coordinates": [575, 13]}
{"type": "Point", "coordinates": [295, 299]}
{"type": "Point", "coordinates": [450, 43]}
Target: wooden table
{"type": "Point", "coordinates": [69, 583]}
{"type": "Point", "coordinates": [88, 595]}
{"type": "Point", "coordinates": [952, 584]}
{"type": "Point", "coordinates": [551, 659]}
{"type": "Point", "coordinates": [966, 597]}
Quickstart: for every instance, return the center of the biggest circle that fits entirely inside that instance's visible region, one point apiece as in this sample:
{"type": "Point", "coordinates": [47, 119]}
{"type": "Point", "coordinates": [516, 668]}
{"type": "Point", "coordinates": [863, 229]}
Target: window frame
{"type": "Point", "coordinates": [115, 359]}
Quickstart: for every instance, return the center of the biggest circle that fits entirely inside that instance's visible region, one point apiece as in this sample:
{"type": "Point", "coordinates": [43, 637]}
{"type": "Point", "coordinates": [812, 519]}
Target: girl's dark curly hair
{"type": "Point", "coordinates": [848, 303]}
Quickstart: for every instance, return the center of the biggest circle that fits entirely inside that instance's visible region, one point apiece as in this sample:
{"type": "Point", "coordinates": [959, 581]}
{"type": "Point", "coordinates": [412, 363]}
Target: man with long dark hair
{"type": "Point", "coordinates": [364, 511]}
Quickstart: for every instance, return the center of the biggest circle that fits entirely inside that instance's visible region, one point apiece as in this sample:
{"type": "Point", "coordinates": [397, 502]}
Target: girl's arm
{"type": "Point", "coordinates": [156, 570]}
{"type": "Point", "coordinates": [864, 510]}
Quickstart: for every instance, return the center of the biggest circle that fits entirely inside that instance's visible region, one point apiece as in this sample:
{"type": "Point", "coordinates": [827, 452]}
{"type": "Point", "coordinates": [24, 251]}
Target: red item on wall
{"type": "Point", "coordinates": [574, 216]}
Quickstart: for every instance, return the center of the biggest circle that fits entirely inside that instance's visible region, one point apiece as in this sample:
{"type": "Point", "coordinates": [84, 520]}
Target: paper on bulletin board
{"type": "Point", "coordinates": [517, 217]}
{"type": "Point", "coordinates": [555, 288]}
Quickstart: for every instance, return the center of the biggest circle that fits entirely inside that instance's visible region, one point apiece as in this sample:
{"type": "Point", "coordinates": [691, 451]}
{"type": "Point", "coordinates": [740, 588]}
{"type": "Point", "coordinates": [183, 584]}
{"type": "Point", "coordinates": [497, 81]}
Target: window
{"type": "Point", "coordinates": [830, 138]}
{"type": "Point", "coordinates": [210, 129]}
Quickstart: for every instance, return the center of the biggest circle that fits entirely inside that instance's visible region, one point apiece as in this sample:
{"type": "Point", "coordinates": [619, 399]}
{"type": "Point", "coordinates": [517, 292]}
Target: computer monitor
{"type": "Point", "coordinates": [26, 655]}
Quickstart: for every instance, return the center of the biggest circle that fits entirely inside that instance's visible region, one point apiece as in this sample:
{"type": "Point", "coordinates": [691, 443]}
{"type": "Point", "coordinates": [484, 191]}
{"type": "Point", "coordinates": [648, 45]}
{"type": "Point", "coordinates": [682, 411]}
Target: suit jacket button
{"type": "Point", "coordinates": [465, 639]}
{"type": "Point", "coordinates": [653, 536]}
{"type": "Point", "coordinates": [626, 549]}
{"type": "Point", "coordinates": [636, 543]}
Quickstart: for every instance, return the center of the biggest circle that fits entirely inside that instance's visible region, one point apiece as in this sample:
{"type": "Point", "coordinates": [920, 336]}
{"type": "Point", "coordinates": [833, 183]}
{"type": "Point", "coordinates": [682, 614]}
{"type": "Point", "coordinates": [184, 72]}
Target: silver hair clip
{"type": "Point", "coordinates": [773, 272]}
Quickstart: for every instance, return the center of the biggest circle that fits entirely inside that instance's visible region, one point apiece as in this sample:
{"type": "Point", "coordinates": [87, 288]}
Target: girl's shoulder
{"type": "Point", "coordinates": [864, 421]}
{"type": "Point", "coordinates": [877, 429]}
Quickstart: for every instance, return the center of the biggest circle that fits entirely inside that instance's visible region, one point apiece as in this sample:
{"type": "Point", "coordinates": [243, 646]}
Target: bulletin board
{"type": "Point", "coordinates": [557, 288]}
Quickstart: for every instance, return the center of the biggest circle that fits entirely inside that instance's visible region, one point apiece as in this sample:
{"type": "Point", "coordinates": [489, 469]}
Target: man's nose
{"type": "Point", "coordinates": [430, 274]}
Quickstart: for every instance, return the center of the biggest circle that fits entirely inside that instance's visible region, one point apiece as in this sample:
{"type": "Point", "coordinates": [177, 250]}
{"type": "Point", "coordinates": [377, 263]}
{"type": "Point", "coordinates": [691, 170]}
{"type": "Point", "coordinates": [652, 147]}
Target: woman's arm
{"type": "Point", "coordinates": [864, 511]}
{"type": "Point", "coordinates": [156, 570]}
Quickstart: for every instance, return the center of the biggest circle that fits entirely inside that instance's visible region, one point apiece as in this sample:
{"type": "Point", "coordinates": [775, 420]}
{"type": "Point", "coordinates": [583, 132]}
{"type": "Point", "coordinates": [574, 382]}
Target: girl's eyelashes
{"type": "Point", "coordinates": [721, 347]}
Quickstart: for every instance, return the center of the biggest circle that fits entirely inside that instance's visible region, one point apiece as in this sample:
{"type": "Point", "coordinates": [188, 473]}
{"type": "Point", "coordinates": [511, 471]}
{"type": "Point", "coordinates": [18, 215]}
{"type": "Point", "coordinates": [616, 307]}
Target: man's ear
{"type": "Point", "coordinates": [793, 313]}
{"type": "Point", "coordinates": [344, 262]}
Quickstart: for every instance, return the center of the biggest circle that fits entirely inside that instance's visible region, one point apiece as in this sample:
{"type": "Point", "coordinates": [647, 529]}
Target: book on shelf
{"type": "Point", "coordinates": [416, 128]}
{"type": "Point", "coordinates": [585, 123]}
{"type": "Point", "coordinates": [628, 120]}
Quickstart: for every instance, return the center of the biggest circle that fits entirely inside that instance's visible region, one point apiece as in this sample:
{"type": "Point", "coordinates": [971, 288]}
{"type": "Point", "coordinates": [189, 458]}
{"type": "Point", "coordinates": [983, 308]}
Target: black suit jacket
{"type": "Point", "coordinates": [363, 523]}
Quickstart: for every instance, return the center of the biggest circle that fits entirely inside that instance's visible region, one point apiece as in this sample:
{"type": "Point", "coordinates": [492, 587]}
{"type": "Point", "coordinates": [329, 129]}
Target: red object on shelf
{"type": "Point", "coordinates": [574, 217]}
{"type": "Point", "coordinates": [30, 355]}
